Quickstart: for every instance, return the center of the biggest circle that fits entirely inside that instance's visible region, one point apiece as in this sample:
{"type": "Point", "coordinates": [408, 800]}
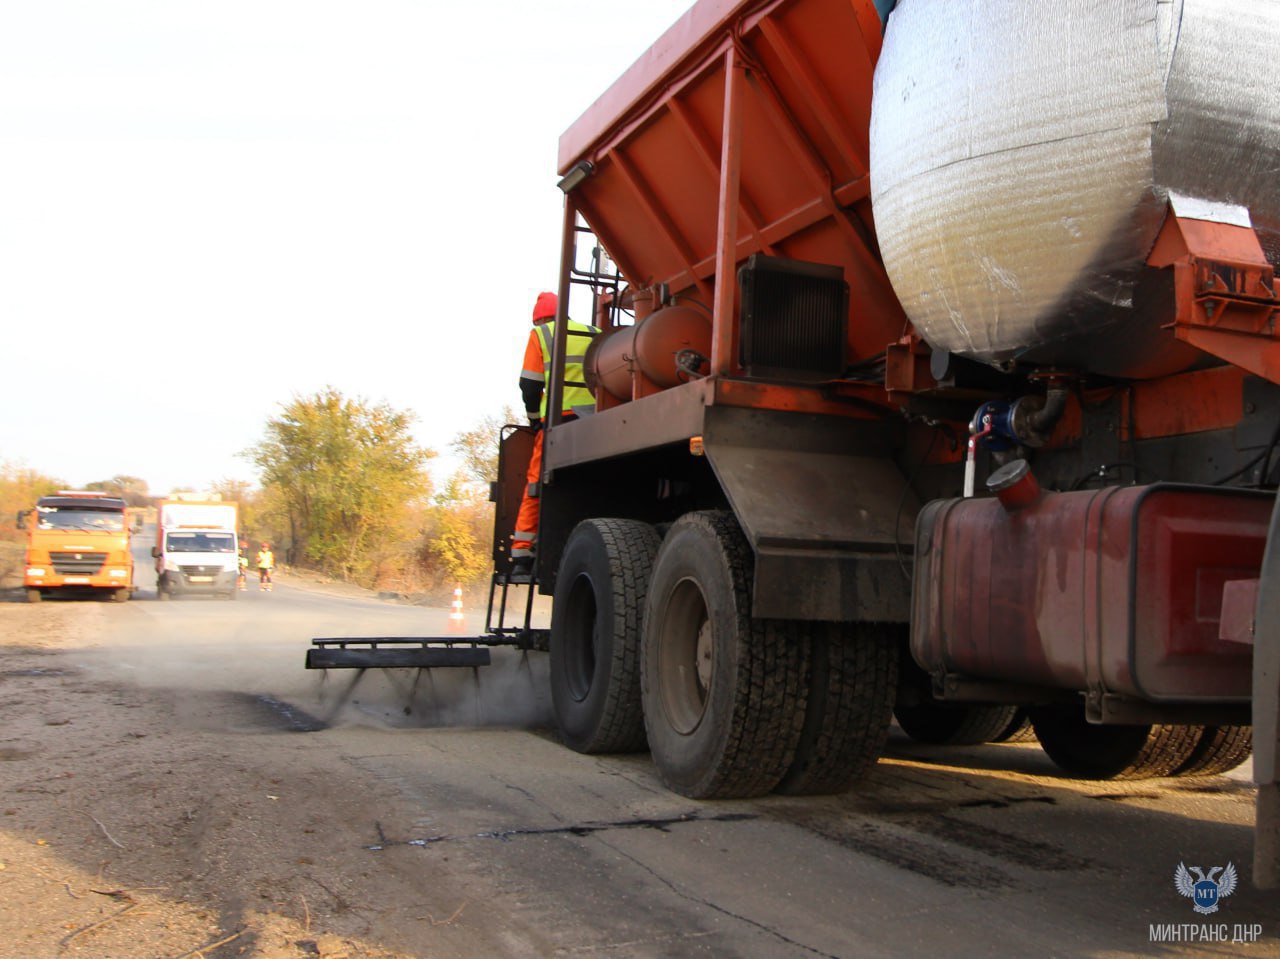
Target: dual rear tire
{"type": "Point", "coordinates": [653, 640]}
{"type": "Point", "coordinates": [723, 692]}
{"type": "Point", "coordinates": [1088, 751]}
{"type": "Point", "coordinates": [1081, 749]}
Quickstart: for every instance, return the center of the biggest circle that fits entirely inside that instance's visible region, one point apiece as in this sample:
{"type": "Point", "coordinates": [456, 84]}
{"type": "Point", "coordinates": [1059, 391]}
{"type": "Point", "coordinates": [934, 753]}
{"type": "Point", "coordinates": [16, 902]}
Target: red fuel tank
{"type": "Point", "coordinates": [1116, 590]}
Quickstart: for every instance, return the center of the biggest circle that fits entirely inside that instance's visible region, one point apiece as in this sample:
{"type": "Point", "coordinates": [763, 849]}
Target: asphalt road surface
{"type": "Point", "coordinates": [505, 843]}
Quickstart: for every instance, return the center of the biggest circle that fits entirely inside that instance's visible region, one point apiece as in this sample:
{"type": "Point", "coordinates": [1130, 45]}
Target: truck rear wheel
{"type": "Point", "coordinates": [952, 725]}
{"type": "Point", "coordinates": [1087, 751]}
{"type": "Point", "coordinates": [852, 682]}
{"type": "Point", "coordinates": [120, 595]}
{"type": "Point", "coordinates": [1018, 731]}
{"type": "Point", "coordinates": [1220, 749]}
{"type": "Point", "coordinates": [595, 634]}
{"type": "Point", "coordinates": [723, 692]}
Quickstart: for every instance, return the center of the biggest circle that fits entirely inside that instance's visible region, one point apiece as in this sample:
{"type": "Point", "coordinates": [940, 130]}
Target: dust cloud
{"type": "Point", "coordinates": [208, 653]}
{"type": "Point", "coordinates": [512, 691]}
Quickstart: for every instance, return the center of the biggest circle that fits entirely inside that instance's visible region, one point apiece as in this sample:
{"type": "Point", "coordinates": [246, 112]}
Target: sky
{"type": "Point", "coordinates": [209, 209]}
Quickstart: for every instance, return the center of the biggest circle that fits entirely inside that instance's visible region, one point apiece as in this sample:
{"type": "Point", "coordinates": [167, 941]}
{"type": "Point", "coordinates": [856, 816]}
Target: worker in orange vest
{"type": "Point", "coordinates": [577, 401]}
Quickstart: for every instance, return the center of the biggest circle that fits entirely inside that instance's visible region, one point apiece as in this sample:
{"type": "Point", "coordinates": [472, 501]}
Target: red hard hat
{"type": "Point", "coordinates": [545, 307]}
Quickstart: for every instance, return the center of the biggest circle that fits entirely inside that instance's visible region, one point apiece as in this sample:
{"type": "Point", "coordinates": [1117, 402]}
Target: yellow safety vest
{"type": "Point", "coordinates": [576, 395]}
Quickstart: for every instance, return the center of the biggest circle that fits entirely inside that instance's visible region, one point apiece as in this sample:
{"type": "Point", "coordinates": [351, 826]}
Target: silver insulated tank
{"type": "Point", "coordinates": [1023, 155]}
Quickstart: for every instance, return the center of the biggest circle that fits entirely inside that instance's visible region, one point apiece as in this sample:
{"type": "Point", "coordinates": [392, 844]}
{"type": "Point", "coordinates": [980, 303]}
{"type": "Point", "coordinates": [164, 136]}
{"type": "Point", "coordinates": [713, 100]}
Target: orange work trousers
{"type": "Point", "coordinates": [526, 533]}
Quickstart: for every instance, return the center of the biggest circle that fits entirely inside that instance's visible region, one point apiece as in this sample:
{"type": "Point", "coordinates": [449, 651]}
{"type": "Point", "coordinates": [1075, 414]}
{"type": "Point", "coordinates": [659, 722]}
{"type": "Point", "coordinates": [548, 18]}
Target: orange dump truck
{"type": "Point", "coordinates": [77, 542]}
{"type": "Point", "coordinates": [939, 379]}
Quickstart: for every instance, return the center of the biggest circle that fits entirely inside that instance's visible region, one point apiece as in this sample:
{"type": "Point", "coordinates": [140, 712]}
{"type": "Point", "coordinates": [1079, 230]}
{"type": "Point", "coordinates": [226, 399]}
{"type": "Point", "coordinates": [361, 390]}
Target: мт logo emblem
{"type": "Point", "coordinates": [1204, 890]}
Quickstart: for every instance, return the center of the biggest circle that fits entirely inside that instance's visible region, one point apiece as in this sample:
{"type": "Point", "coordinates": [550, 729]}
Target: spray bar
{"type": "Point", "coordinates": [400, 651]}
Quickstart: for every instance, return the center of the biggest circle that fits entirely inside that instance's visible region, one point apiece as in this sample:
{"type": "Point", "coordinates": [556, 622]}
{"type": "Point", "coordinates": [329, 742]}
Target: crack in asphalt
{"type": "Point", "coordinates": [573, 829]}
{"type": "Point", "coordinates": [714, 907]}
{"type": "Point", "coordinates": [1005, 802]}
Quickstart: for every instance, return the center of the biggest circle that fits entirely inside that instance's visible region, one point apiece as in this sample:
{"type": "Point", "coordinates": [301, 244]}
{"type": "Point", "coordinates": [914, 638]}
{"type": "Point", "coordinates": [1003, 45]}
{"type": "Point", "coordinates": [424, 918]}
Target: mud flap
{"type": "Point", "coordinates": [829, 517]}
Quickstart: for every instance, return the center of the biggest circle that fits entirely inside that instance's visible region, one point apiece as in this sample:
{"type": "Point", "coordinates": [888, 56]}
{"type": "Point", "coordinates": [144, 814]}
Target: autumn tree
{"type": "Point", "coordinates": [343, 472]}
{"type": "Point", "coordinates": [459, 534]}
{"type": "Point", "coordinates": [478, 447]}
{"type": "Point", "coordinates": [249, 500]}
{"type": "Point", "coordinates": [233, 490]}
{"type": "Point", "coordinates": [132, 489]}
{"type": "Point", "coordinates": [20, 487]}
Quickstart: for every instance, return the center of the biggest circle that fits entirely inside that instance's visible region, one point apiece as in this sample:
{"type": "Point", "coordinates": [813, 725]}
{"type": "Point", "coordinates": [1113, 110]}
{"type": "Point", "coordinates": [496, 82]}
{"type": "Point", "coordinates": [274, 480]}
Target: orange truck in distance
{"type": "Point", "coordinates": [77, 542]}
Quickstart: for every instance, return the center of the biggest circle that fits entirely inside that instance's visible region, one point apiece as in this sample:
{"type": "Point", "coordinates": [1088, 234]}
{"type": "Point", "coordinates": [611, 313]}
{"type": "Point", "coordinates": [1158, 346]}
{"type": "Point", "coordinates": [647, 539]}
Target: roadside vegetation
{"type": "Point", "coordinates": [19, 489]}
{"type": "Point", "coordinates": [344, 490]}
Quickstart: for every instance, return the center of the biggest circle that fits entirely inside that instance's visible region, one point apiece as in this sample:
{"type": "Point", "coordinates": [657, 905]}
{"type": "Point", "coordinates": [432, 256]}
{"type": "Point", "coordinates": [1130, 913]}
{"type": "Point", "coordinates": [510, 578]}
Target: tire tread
{"type": "Point", "coordinates": [628, 548]}
{"type": "Point", "coordinates": [853, 682]}
{"type": "Point", "coordinates": [631, 547]}
{"type": "Point", "coordinates": [1219, 750]}
{"type": "Point", "coordinates": [1112, 752]}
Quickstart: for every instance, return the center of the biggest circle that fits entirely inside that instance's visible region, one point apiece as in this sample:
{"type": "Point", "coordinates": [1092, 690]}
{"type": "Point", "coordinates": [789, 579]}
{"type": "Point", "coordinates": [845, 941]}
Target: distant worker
{"type": "Point", "coordinates": [577, 401]}
{"type": "Point", "coordinates": [243, 557]}
{"type": "Point", "coordinates": [266, 563]}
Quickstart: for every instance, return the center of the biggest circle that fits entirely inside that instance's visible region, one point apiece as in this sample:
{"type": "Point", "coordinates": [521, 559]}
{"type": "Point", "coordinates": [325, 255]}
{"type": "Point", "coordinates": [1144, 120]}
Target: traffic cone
{"type": "Point", "coordinates": [457, 623]}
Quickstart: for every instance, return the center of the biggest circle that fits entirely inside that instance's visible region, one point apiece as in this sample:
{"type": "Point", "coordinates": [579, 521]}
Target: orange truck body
{"type": "Point", "coordinates": [78, 542]}
{"type": "Point", "coordinates": [728, 175]}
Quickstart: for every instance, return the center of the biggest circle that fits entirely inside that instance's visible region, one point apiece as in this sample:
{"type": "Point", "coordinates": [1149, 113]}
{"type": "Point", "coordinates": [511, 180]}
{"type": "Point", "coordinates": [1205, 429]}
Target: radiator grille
{"type": "Point", "coordinates": [77, 564]}
{"type": "Point", "coordinates": [795, 318]}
